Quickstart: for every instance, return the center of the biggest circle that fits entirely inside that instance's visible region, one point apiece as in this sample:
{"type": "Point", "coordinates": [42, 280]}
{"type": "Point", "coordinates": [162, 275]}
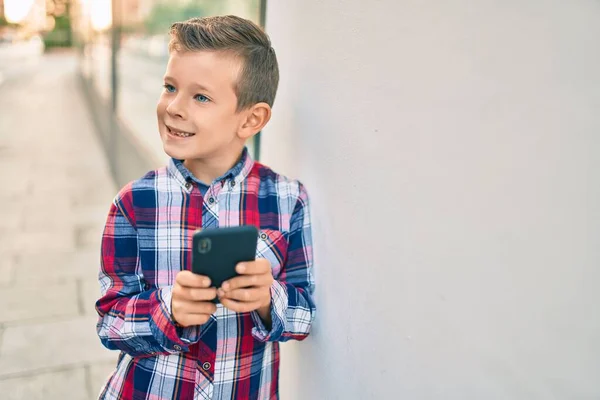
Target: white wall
{"type": "Point", "coordinates": [452, 151]}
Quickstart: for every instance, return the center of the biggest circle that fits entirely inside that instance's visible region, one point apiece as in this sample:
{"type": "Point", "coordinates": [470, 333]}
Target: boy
{"type": "Point", "coordinates": [175, 343]}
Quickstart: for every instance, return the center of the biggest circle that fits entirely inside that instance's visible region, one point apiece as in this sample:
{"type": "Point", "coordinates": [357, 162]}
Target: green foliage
{"type": "Point", "coordinates": [61, 35]}
{"type": "Point", "coordinates": [164, 14]}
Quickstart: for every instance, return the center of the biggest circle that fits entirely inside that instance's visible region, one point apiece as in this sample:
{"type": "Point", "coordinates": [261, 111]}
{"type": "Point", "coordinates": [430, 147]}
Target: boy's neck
{"type": "Point", "coordinates": [208, 169]}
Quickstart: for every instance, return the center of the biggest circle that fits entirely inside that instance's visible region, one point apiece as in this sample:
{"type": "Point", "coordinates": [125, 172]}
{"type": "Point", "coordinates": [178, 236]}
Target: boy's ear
{"type": "Point", "coordinates": [256, 117]}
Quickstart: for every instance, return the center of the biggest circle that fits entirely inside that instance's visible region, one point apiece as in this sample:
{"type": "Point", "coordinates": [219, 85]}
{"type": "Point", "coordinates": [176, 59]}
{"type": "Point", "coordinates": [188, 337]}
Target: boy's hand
{"type": "Point", "coordinates": [251, 291]}
{"type": "Point", "coordinates": [191, 301]}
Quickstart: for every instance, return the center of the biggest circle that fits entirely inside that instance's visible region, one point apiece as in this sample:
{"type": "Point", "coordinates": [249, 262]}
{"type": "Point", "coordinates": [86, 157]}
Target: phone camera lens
{"type": "Point", "coordinates": [204, 245]}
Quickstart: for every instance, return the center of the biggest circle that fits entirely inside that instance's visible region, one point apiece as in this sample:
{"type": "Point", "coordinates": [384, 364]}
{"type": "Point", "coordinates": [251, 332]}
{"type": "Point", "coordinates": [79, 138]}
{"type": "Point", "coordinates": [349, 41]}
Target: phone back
{"type": "Point", "coordinates": [216, 251]}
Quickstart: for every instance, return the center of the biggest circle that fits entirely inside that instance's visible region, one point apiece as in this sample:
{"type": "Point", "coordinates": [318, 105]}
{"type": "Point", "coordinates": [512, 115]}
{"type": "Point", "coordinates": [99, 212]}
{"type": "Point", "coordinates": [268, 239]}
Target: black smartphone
{"type": "Point", "coordinates": [216, 251]}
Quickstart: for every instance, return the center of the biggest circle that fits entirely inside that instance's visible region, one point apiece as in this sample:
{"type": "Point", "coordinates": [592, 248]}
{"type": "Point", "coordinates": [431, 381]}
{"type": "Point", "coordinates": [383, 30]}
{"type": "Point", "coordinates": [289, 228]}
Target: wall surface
{"type": "Point", "coordinates": [452, 154]}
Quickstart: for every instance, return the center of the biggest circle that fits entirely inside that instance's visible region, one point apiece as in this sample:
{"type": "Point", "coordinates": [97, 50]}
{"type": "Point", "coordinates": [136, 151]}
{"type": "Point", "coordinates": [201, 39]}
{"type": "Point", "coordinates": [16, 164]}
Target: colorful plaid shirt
{"type": "Point", "coordinates": [146, 242]}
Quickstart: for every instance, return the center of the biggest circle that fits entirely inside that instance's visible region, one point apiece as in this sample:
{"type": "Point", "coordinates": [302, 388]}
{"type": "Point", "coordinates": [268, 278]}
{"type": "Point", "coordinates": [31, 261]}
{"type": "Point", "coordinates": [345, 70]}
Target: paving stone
{"type": "Point", "coordinates": [88, 236]}
{"type": "Point", "coordinates": [92, 215]}
{"type": "Point", "coordinates": [99, 374]}
{"type": "Point", "coordinates": [52, 345]}
{"type": "Point", "coordinates": [90, 291]}
{"type": "Point", "coordinates": [57, 266]}
{"type": "Point", "coordinates": [66, 384]}
{"type": "Point", "coordinates": [62, 239]}
{"type": "Point", "coordinates": [48, 218]}
{"type": "Point", "coordinates": [9, 221]}
{"type": "Point", "coordinates": [31, 302]}
{"type": "Point", "coordinates": [7, 268]}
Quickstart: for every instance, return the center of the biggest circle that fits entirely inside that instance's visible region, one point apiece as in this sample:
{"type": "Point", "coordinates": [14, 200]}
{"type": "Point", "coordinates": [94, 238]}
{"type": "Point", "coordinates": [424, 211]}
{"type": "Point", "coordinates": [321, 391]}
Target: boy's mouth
{"type": "Point", "coordinates": [178, 133]}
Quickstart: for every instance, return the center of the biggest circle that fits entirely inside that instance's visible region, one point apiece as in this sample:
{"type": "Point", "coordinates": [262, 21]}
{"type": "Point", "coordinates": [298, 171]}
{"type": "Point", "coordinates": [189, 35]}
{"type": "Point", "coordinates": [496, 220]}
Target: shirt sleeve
{"type": "Point", "coordinates": [133, 317]}
{"type": "Point", "coordinates": [292, 306]}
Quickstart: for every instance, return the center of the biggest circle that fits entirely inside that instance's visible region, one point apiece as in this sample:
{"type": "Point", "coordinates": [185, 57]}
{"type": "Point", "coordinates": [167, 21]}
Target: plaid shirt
{"type": "Point", "coordinates": [147, 241]}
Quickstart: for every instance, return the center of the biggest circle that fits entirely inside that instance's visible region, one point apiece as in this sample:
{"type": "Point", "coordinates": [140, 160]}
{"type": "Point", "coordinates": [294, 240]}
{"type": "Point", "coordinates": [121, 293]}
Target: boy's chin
{"type": "Point", "coordinates": [178, 154]}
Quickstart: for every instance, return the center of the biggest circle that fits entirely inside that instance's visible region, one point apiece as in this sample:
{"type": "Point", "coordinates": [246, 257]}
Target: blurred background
{"type": "Point", "coordinates": [451, 150]}
{"type": "Point", "coordinates": [121, 54]}
{"type": "Point", "coordinates": [79, 83]}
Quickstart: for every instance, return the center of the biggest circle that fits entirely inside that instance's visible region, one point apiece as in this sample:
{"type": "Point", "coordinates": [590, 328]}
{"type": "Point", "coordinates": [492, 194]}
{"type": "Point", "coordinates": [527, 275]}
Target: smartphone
{"type": "Point", "coordinates": [216, 251]}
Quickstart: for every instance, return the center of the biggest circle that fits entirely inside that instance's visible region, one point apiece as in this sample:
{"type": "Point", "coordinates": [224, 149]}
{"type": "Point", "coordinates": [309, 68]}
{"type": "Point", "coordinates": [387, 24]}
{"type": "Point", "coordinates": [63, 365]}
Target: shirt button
{"type": "Point", "coordinates": [211, 200]}
{"type": "Point", "coordinates": [177, 347]}
{"type": "Point", "coordinates": [206, 366]}
{"type": "Point", "coordinates": [263, 236]}
{"type": "Point", "coordinates": [232, 183]}
{"type": "Point", "coordinates": [188, 185]}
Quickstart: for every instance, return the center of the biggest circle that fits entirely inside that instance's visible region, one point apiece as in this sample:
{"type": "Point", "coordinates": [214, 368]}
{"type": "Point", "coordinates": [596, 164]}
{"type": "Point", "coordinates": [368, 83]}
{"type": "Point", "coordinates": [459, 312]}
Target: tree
{"type": "Point", "coordinates": [62, 33]}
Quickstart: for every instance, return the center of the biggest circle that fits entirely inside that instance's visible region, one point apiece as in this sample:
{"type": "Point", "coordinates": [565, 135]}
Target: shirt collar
{"type": "Point", "coordinates": [236, 174]}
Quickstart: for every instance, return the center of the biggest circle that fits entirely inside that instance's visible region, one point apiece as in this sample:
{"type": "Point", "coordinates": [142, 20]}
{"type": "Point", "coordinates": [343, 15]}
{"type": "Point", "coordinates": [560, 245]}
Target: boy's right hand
{"type": "Point", "coordinates": [191, 300]}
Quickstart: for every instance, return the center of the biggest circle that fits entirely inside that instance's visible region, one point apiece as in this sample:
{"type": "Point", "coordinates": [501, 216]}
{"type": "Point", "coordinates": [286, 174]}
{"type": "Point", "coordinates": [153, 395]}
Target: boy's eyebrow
{"type": "Point", "coordinates": [195, 85]}
{"type": "Point", "coordinates": [201, 87]}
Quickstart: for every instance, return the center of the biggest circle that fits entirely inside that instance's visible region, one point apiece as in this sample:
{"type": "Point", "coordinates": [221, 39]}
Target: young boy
{"type": "Point", "coordinates": [175, 343]}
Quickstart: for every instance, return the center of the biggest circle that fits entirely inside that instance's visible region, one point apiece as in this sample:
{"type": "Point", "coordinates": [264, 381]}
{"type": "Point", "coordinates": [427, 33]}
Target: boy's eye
{"type": "Point", "coordinates": [169, 88]}
{"type": "Point", "coordinates": [201, 98]}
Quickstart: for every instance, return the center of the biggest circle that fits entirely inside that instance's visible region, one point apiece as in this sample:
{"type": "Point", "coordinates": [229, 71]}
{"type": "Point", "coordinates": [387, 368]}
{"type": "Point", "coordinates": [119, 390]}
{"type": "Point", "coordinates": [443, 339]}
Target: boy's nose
{"type": "Point", "coordinates": [175, 109]}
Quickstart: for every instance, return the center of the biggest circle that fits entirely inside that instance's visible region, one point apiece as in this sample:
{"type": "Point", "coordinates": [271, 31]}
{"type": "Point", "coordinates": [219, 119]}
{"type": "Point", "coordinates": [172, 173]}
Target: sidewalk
{"type": "Point", "coordinates": [55, 191]}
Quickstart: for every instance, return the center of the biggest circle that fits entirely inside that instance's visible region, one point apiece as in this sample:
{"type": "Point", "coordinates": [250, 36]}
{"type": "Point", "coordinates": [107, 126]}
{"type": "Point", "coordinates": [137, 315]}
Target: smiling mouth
{"type": "Point", "coordinates": [181, 134]}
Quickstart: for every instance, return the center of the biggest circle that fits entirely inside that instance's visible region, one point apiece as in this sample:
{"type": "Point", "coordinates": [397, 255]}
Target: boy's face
{"type": "Point", "coordinates": [197, 116]}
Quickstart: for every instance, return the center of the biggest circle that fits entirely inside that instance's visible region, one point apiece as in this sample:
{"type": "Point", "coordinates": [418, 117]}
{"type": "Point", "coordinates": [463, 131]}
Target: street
{"type": "Point", "coordinates": [55, 191]}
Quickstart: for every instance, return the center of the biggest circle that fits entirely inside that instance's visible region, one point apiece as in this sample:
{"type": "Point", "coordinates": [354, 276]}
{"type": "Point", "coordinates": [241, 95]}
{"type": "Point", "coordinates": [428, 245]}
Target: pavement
{"type": "Point", "coordinates": [55, 191]}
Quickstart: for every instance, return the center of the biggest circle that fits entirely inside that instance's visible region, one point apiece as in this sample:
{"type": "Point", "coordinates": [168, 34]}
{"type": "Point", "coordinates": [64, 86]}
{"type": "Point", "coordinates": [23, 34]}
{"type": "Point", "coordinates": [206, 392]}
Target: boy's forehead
{"type": "Point", "coordinates": [206, 68]}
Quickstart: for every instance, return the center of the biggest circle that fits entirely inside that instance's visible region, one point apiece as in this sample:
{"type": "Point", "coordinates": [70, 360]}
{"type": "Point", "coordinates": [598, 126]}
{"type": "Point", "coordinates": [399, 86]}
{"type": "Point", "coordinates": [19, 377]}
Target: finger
{"type": "Point", "coordinates": [193, 307]}
{"type": "Point", "coordinates": [248, 295]}
{"type": "Point", "coordinates": [193, 319]}
{"type": "Point", "coordinates": [189, 279]}
{"type": "Point", "coordinates": [240, 307]}
{"type": "Point", "coordinates": [257, 267]}
{"type": "Point", "coordinates": [204, 307]}
{"type": "Point", "coordinates": [195, 294]}
{"type": "Point", "coordinates": [244, 281]}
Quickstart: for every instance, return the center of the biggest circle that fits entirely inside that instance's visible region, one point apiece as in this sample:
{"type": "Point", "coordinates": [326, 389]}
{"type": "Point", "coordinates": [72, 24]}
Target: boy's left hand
{"type": "Point", "coordinates": [251, 291]}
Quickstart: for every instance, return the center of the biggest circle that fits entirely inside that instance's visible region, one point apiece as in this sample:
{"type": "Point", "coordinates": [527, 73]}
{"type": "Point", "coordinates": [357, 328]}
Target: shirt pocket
{"type": "Point", "coordinates": [273, 246]}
